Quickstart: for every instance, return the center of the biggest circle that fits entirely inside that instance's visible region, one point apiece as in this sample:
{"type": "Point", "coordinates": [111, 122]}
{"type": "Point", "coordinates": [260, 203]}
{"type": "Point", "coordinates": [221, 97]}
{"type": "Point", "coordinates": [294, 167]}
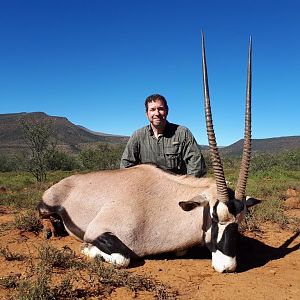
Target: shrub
{"type": "Point", "coordinates": [10, 282]}
{"type": "Point", "coordinates": [56, 258]}
{"type": "Point", "coordinates": [29, 221]}
{"type": "Point", "coordinates": [262, 162]}
{"type": "Point", "coordinates": [58, 160]}
{"type": "Point", "coordinates": [10, 256]}
{"type": "Point", "coordinates": [40, 288]}
{"type": "Point", "coordinates": [289, 160]}
{"type": "Point", "coordinates": [285, 161]}
{"type": "Point", "coordinates": [10, 163]}
{"type": "Point", "coordinates": [101, 157]}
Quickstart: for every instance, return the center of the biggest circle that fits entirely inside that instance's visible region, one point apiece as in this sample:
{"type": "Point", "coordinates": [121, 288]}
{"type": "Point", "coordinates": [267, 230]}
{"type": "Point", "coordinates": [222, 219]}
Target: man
{"type": "Point", "coordinates": [171, 147]}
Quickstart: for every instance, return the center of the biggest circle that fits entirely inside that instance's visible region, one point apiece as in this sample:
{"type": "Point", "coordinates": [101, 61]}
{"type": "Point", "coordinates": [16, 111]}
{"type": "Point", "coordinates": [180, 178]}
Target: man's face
{"type": "Point", "coordinates": [157, 113]}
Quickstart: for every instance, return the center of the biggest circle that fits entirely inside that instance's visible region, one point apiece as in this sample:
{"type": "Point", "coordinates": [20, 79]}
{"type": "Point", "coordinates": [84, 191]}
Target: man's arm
{"type": "Point", "coordinates": [130, 155]}
{"type": "Point", "coordinates": [193, 158]}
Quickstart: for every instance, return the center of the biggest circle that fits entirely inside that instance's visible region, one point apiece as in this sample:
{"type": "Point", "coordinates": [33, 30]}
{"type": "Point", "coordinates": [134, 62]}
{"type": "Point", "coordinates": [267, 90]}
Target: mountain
{"type": "Point", "coordinates": [73, 138]}
{"type": "Point", "coordinates": [270, 145]}
{"type": "Point", "coordinates": [70, 137]}
{"type": "Point", "coordinates": [99, 133]}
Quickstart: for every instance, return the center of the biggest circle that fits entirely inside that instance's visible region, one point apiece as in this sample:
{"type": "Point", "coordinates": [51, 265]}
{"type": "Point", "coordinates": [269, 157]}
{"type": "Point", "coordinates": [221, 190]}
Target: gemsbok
{"type": "Point", "coordinates": [131, 213]}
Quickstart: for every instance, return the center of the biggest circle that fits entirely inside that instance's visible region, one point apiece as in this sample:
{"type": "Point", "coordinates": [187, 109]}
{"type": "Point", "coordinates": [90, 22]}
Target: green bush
{"type": "Point", "coordinates": [58, 160]}
{"type": "Point", "coordinates": [10, 163]}
{"type": "Point", "coordinates": [284, 161]}
{"type": "Point", "coordinates": [289, 160]}
{"type": "Point", "coordinates": [101, 157]}
{"type": "Point", "coordinates": [262, 162]}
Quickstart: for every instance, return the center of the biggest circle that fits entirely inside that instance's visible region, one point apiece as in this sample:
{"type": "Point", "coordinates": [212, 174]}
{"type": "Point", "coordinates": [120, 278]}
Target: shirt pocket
{"type": "Point", "coordinates": [173, 157]}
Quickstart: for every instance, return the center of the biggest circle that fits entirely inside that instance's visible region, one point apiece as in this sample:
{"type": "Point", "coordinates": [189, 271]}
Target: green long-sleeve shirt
{"type": "Point", "coordinates": [175, 150]}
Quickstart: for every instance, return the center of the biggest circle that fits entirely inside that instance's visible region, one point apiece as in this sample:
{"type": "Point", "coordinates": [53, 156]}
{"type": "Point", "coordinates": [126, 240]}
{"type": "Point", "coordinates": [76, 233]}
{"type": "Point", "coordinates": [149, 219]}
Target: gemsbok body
{"type": "Point", "coordinates": [130, 213]}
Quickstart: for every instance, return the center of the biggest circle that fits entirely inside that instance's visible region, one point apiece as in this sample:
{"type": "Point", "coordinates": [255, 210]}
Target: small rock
{"type": "Point", "coordinates": [292, 203]}
{"type": "Point", "coordinates": [273, 272]}
{"type": "Point", "coordinates": [3, 190]}
{"type": "Point", "coordinates": [292, 193]}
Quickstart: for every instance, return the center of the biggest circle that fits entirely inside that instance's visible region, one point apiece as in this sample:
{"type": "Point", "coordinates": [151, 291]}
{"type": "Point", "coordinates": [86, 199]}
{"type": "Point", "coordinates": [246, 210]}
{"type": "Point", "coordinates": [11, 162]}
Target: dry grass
{"type": "Point", "coordinates": [58, 273]}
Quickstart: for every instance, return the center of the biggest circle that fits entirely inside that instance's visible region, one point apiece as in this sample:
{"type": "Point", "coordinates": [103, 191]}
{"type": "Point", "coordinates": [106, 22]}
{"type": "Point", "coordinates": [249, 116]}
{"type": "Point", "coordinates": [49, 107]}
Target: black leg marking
{"type": "Point", "coordinates": [109, 243]}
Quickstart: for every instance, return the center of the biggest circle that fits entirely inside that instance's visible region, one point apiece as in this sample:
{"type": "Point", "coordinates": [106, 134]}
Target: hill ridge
{"type": "Point", "coordinates": [73, 138]}
{"type": "Point", "coordinates": [70, 137]}
{"type": "Point", "coordinates": [269, 145]}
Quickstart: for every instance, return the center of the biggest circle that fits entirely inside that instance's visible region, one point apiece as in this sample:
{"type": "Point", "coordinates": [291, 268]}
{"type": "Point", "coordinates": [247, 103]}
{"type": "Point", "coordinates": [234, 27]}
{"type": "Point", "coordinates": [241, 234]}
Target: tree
{"type": "Point", "coordinates": [38, 135]}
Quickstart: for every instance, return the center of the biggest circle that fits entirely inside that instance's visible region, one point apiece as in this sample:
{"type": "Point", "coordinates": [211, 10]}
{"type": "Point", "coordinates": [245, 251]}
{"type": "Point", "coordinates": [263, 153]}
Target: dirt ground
{"type": "Point", "coordinates": [269, 266]}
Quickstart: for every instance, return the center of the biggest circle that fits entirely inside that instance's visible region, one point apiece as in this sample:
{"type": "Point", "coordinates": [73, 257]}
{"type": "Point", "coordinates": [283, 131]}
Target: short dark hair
{"type": "Point", "coordinates": [155, 97]}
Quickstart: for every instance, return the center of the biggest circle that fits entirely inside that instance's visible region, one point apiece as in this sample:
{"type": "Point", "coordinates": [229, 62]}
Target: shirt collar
{"type": "Point", "coordinates": [162, 134]}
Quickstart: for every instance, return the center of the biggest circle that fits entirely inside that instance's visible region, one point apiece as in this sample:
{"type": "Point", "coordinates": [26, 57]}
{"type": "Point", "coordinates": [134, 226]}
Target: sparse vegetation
{"type": "Point", "coordinates": [9, 255]}
{"type": "Point", "coordinates": [56, 258]}
{"type": "Point", "coordinates": [38, 288]}
{"type": "Point", "coordinates": [28, 221]}
{"type": "Point", "coordinates": [108, 275]}
{"type": "Point", "coordinates": [10, 282]}
{"type": "Point", "coordinates": [20, 190]}
{"type": "Point", "coordinates": [98, 279]}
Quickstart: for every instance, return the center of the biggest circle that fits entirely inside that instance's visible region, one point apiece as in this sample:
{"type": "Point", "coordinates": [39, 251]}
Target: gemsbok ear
{"type": "Point", "coordinates": [252, 201]}
{"type": "Point", "coordinates": [193, 203]}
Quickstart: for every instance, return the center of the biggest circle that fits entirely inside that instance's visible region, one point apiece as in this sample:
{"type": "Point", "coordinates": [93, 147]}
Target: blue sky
{"type": "Point", "coordinates": [95, 62]}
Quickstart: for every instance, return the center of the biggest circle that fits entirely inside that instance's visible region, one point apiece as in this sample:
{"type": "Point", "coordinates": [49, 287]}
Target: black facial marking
{"type": "Point", "coordinates": [109, 243]}
{"type": "Point", "coordinates": [235, 206]}
{"type": "Point", "coordinates": [227, 244]}
{"type": "Point", "coordinates": [214, 213]}
{"type": "Point", "coordinates": [214, 228]}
